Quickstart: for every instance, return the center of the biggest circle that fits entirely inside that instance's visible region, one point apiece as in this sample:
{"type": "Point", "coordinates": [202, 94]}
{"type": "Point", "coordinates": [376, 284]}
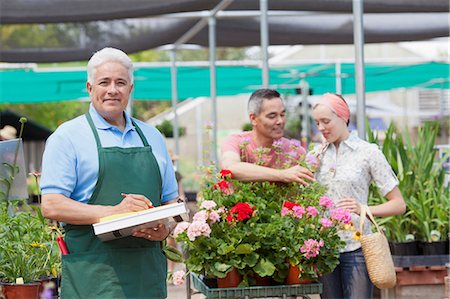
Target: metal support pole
{"type": "Point", "coordinates": [338, 78]}
{"type": "Point", "coordinates": [264, 28]}
{"type": "Point", "coordinates": [174, 84]}
{"type": "Point", "coordinates": [358, 39]}
{"type": "Point", "coordinates": [213, 85]}
{"type": "Point", "coordinates": [199, 127]}
{"type": "Point", "coordinates": [304, 87]}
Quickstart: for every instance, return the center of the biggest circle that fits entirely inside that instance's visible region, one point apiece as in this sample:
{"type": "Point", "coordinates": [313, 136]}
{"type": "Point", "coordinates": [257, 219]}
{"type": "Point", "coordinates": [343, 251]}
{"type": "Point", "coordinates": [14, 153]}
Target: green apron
{"type": "Point", "coordinates": [130, 267]}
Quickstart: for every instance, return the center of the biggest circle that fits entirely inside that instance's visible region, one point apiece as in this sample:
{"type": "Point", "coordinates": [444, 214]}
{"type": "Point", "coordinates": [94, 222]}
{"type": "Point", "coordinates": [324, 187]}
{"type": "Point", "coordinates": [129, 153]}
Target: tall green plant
{"type": "Point", "coordinates": [421, 181]}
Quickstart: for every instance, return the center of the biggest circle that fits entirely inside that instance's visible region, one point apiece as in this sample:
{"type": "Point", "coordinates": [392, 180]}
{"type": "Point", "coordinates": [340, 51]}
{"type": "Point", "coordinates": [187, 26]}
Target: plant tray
{"type": "Point", "coordinates": [256, 291]}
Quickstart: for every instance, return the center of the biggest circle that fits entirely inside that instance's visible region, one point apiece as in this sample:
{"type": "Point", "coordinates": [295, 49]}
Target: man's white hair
{"type": "Point", "coordinates": [108, 55]}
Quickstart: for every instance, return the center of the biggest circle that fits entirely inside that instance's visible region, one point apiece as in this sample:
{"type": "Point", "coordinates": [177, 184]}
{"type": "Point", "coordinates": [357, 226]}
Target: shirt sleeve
{"type": "Point", "coordinates": [58, 166]}
{"type": "Point", "coordinates": [169, 182]}
{"type": "Point", "coordinates": [381, 172]}
{"type": "Point", "coordinates": [231, 144]}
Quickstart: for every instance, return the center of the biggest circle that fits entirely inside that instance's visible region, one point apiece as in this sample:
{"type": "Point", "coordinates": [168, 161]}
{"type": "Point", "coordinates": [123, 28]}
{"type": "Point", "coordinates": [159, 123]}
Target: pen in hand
{"type": "Point", "coordinates": [125, 195]}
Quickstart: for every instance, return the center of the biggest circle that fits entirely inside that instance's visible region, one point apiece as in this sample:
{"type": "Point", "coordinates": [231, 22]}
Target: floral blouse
{"type": "Point", "coordinates": [350, 172]}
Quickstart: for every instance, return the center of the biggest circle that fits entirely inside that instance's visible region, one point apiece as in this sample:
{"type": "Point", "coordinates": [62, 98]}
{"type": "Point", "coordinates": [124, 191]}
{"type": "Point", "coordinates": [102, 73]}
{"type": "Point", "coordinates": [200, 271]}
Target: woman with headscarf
{"type": "Point", "coordinates": [348, 166]}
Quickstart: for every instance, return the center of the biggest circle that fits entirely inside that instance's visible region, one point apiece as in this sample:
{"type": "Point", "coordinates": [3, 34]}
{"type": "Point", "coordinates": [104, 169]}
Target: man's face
{"type": "Point", "coordinates": [110, 90]}
{"type": "Point", "coordinates": [271, 120]}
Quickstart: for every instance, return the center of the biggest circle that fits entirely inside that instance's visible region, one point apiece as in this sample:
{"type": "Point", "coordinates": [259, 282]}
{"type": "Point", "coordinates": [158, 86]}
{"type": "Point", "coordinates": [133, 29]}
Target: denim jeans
{"type": "Point", "coordinates": [349, 280]}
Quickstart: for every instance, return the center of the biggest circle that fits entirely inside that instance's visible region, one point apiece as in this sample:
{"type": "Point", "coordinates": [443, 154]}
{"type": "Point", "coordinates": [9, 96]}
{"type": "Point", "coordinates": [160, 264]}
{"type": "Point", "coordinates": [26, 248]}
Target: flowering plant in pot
{"type": "Point", "coordinates": [244, 226]}
{"type": "Point", "coordinates": [311, 236]}
{"type": "Point", "coordinates": [28, 250]}
{"type": "Point", "coordinates": [422, 182]}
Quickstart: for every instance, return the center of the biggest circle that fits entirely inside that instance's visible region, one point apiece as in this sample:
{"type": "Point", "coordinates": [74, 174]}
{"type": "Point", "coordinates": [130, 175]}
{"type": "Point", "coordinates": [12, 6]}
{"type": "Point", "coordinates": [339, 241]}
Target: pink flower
{"type": "Point", "coordinates": [198, 228]}
{"type": "Point", "coordinates": [311, 248]}
{"type": "Point", "coordinates": [326, 222]}
{"type": "Point", "coordinates": [214, 216]}
{"type": "Point", "coordinates": [181, 227]}
{"type": "Point", "coordinates": [221, 210]}
{"type": "Point", "coordinates": [295, 144]}
{"type": "Point", "coordinates": [201, 216]}
{"type": "Point", "coordinates": [178, 277]}
{"type": "Point", "coordinates": [325, 201]}
{"type": "Point", "coordinates": [298, 211]}
{"type": "Point", "coordinates": [277, 144]}
{"type": "Point", "coordinates": [312, 211]}
{"type": "Point", "coordinates": [208, 205]}
{"type": "Point", "coordinates": [312, 160]}
{"type": "Point", "coordinates": [284, 211]}
{"type": "Point", "coordinates": [341, 215]}
{"type": "Point", "coordinates": [292, 154]}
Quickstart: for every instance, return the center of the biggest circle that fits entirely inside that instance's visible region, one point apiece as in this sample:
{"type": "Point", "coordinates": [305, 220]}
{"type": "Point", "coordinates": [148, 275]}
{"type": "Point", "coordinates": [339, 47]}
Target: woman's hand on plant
{"type": "Point", "coordinates": [297, 174]}
{"type": "Point", "coordinates": [350, 204]}
{"type": "Point", "coordinates": [157, 233]}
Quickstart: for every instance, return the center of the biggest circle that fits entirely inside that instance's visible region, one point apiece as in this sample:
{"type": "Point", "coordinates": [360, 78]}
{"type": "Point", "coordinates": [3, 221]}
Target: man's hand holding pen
{"type": "Point", "coordinates": [134, 203]}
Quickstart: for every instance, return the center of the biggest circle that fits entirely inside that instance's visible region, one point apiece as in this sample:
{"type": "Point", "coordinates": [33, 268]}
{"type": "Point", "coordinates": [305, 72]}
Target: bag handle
{"type": "Point", "coordinates": [365, 210]}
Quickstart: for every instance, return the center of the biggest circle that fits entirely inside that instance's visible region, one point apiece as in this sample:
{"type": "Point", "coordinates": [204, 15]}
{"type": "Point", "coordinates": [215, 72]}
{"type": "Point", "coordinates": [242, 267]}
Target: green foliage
{"type": "Point", "coordinates": [166, 128]}
{"type": "Point", "coordinates": [27, 242]}
{"type": "Point", "coordinates": [421, 178]}
{"type": "Point", "coordinates": [34, 35]}
{"type": "Point", "coordinates": [49, 115]}
{"type": "Point", "coordinates": [27, 246]}
{"type": "Point", "coordinates": [247, 127]}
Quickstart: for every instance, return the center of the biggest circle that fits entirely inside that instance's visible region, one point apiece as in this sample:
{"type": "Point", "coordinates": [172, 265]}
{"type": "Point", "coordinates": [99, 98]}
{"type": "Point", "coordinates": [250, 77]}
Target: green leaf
{"type": "Point", "coordinates": [264, 268]}
{"type": "Point", "coordinates": [244, 249]}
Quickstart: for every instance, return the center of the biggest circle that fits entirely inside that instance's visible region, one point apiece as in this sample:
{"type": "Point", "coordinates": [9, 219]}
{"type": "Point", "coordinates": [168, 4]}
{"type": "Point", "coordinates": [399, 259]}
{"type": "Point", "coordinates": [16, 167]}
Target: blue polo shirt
{"type": "Point", "coordinates": [70, 161]}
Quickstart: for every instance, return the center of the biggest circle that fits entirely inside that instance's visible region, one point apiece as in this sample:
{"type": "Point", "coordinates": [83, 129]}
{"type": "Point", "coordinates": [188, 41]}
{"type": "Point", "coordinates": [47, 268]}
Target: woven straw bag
{"type": "Point", "coordinates": [377, 254]}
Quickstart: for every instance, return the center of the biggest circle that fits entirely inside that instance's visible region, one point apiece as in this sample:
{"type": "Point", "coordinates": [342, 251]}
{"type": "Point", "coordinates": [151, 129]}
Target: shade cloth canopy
{"type": "Point", "coordinates": [153, 83]}
{"type": "Point", "coordinates": [314, 22]}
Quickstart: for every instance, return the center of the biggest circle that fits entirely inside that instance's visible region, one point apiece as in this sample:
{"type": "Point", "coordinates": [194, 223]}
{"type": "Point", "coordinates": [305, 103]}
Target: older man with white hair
{"type": "Point", "coordinates": [105, 163]}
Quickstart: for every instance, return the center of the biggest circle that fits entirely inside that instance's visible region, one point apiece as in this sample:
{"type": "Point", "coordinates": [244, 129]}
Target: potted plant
{"type": "Point", "coordinates": [238, 225]}
{"type": "Point", "coordinates": [28, 250]}
{"type": "Point", "coordinates": [422, 184]}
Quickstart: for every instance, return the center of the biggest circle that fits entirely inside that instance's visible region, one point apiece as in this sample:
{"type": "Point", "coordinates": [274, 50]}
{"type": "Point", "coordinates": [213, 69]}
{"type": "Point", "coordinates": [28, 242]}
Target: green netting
{"type": "Point", "coordinates": [153, 83]}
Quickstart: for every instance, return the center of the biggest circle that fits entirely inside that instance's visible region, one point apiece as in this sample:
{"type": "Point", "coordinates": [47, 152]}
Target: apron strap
{"type": "Point", "coordinates": [97, 138]}
{"type": "Point", "coordinates": [94, 130]}
{"type": "Point", "coordinates": [144, 140]}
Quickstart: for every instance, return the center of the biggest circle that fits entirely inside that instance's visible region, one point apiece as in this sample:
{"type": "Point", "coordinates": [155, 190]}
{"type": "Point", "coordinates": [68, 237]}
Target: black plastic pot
{"type": "Point", "coordinates": [405, 248]}
{"type": "Point", "coordinates": [434, 248]}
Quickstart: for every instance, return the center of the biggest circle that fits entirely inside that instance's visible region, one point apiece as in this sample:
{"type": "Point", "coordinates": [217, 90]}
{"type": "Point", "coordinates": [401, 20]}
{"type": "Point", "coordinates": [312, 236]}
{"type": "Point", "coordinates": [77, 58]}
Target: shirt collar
{"type": "Point", "coordinates": [102, 124]}
{"type": "Point", "coordinates": [352, 140]}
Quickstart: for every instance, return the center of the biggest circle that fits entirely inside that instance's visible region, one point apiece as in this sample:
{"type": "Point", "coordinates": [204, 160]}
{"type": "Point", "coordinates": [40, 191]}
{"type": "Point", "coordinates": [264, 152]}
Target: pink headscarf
{"type": "Point", "coordinates": [336, 104]}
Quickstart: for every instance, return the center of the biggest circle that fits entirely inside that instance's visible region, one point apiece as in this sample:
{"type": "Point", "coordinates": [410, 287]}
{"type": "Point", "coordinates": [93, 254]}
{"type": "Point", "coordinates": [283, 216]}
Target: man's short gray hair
{"type": "Point", "coordinates": [258, 97]}
{"type": "Point", "coordinates": [108, 55]}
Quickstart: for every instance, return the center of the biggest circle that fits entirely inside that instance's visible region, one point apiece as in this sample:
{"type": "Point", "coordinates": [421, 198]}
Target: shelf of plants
{"type": "Point", "coordinates": [256, 291]}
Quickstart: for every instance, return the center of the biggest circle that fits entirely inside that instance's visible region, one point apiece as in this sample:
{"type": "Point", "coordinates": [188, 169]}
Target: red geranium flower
{"type": "Point", "coordinates": [289, 205]}
{"type": "Point", "coordinates": [240, 211]}
{"type": "Point", "coordinates": [222, 185]}
{"type": "Point", "coordinates": [225, 172]}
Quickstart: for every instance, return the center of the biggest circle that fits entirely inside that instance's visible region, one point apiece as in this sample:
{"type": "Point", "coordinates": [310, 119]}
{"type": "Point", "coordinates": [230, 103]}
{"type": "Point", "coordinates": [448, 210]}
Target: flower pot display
{"type": "Point", "coordinates": [419, 168]}
{"type": "Point", "coordinates": [294, 276]}
{"type": "Point", "coordinates": [21, 291]}
{"type": "Point", "coordinates": [405, 248]}
{"type": "Point", "coordinates": [257, 227]}
{"type": "Point", "coordinates": [232, 280]}
{"type": "Point", "coordinates": [262, 280]}
{"type": "Point", "coordinates": [434, 248]}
